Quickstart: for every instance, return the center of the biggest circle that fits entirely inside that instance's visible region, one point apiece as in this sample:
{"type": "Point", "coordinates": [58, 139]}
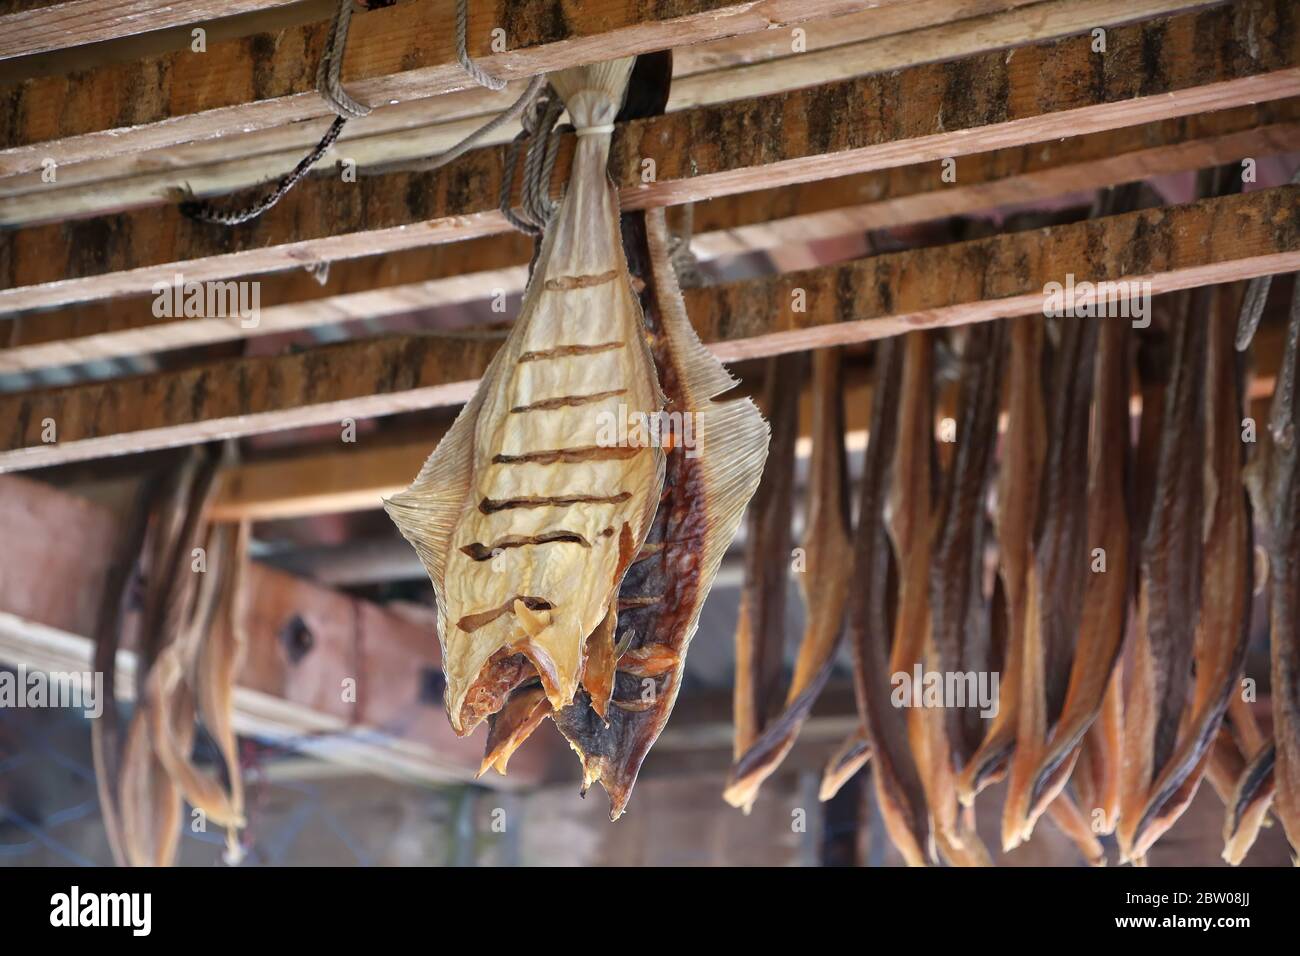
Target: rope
{"type": "Point", "coordinates": [539, 129]}
{"type": "Point", "coordinates": [328, 82]}
{"type": "Point", "coordinates": [462, 54]}
{"type": "Point", "coordinates": [330, 87]}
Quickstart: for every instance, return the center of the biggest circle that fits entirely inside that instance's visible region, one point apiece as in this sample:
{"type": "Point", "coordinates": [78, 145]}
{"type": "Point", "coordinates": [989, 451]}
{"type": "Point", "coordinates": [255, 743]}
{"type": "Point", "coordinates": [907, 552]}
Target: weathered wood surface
{"type": "Point", "coordinates": [42, 27]}
{"type": "Point", "coordinates": [1213, 59]}
{"type": "Point", "coordinates": [734, 68]}
{"type": "Point", "coordinates": [1208, 242]}
{"type": "Point", "coordinates": [429, 276]}
{"type": "Point", "coordinates": [395, 53]}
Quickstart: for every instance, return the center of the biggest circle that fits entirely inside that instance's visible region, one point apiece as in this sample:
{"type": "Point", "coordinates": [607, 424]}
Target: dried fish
{"type": "Point", "coordinates": [706, 489]}
{"type": "Point", "coordinates": [824, 581]}
{"type": "Point", "coordinates": [849, 757]}
{"type": "Point", "coordinates": [1227, 562]}
{"type": "Point", "coordinates": [899, 444]}
{"type": "Point", "coordinates": [1054, 591]}
{"type": "Point", "coordinates": [1096, 774]}
{"type": "Point", "coordinates": [956, 568]}
{"type": "Point", "coordinates": [760, 631]}
{"type": "Point", "coordinates": [1283, 523]}
{"type": "Point", "coordinates": [1018, 485]}
{"type": "Point", "coordinates": [1105, 606]}
{"type": "Point", "coordinates": [1249, 803]}
{"type": "Point", "coordinates": [528, 513]}
{"type": "Point", "coordinates": [1169, 588]}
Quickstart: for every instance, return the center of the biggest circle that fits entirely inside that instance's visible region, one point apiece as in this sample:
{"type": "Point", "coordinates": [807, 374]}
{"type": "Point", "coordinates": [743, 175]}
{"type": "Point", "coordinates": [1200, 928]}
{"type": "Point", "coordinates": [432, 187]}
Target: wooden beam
{"type": "Point", "coordinates": [846, 46]}
{"type": "Point", "coordinates": [379, 286]}
{"type": "Point", "coordinates": [315, 480]}
{"type": "Point", "coordinates": [304, 640]}
{"type": "Point", "coordinates": [397, 53]}
{"type": "Point", "coordinates": [73, 23]}
{"type": "Point", "coordinates": [1214, 59]}
{"type": "Point", "coordinates": [1213, 241]}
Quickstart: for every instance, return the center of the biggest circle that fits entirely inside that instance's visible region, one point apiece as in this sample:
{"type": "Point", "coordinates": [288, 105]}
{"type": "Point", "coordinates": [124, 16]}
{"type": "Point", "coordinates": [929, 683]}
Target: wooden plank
{"type": "Point", "coordinates": [316, 480]}
{"type": "Point", "coordinates": [843, 47]}
{"type": "Point", "coordinates": [379, 286]}
{"type": "Point", "coordinates": [304, 641]}
{"type": "Point", "coordinates": [73, 23]}
{"type": "Point", "coordinates": [1214, 59]}
{"type": "Point", "coordinates": [1213, 241]}
{"type": "Point", "coordinates": [396, 53]}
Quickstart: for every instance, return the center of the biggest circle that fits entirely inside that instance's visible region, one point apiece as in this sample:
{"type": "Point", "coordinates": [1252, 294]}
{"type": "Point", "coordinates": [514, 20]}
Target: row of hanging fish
{"type": "Point", "coordinates": [1106, 577]}
{"type": "Point", "coordinates": [189, 636]}
{"type": "Point", "coordinates": [573, 518]}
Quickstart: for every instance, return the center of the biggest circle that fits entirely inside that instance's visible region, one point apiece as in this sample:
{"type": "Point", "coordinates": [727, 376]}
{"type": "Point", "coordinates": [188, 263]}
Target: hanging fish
{"type": "Point", "coordinates": [886, 640]}
{"type": "Point", "coordinates": [825, 583]}
{"type": "Point", "coordinates": [707, 484]}
{"type": "Point", "coordinates": [760, 628]}
{"type": "Point", "coordinates": [1283, 523]}
{"type": "Point", "coordinates": [1054, 583]}
{"type": "Point", "coordinates": [1222, 628]}
{"type": "Point", "coordinates": [531, 509]}
{"type": "Point", "coordinates": [1169, 588]}
{"type": "Point", "coordinates": [1106, 592]}
{"type": "Point", "coordinates": [1018, 486]}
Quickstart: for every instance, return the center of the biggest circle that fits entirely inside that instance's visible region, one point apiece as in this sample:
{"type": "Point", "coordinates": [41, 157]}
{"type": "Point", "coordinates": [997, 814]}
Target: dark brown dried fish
{"type": "Point", "coordinates": [760, 631]}
{"type": "Point", "coordinates": [1227, 563]}
{"type": "Point", "coordinates": [825, 583]}
{"type": "Point", "coordinates": [1055, 583]}
{"type": "Point", "coordinates": [956, 565]}
{"type": "Point", "coordinates": [706, 489]}
{"type": "Point", "coordinates": [1018, 485]}
{"type": "Point", "coordinates": [870, 624]}
{"type": "Point", "coordinates": [1283, 523]}
{"type": "Point", "coordinates": [1169, 589]}
{"type": "Point", "coordinates": [1106, 594]}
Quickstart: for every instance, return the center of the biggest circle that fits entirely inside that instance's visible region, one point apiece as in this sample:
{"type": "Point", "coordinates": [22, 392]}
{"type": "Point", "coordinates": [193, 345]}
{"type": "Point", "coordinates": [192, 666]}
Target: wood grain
{"type": "Point", "coordinates": [1213, 241]}
{"type": "Point", "coordinates": [426, 277]}
{"type": "Point", "coordinates": [396, 53]}
{"type": "Point", "coordinates": [1213, 59]}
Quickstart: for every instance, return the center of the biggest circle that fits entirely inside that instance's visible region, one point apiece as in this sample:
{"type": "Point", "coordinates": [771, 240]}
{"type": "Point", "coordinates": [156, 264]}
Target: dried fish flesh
{"type": "Point", "coordinates": [1054, 592]}
{"type": "Point", "coordinates": [706, 489]}
{"type": "Point", "coordinates": [528, 512]}
{"type": "Point", "coordinates": [870, 623]}
{"type": "Point", "coordinates": [1106, 594]}
{"type": "Point", "coordinates": [760, 630]}
{"type": "Point", "coordinates": [1169, 587]}
{"type": "Point", "coordinates": [1018, 485]}
{"type": "Point", "coordinates": [1227, 562]}
{"type": "Point", "coordinates": [825, 584]}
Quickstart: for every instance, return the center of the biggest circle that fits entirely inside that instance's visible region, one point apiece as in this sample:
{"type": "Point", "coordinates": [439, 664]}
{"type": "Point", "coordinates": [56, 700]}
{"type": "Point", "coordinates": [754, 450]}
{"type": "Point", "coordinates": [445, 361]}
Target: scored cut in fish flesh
{"type": "Point", "coordinates": [530, 510]}
{"type": "Point", "coordinates": [706, 488]}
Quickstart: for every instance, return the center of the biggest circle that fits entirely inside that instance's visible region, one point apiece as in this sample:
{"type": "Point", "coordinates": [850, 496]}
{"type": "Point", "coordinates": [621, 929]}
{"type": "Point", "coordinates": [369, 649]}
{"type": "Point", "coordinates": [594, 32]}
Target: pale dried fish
{"type": "Point", "coordinates": [525, 513]}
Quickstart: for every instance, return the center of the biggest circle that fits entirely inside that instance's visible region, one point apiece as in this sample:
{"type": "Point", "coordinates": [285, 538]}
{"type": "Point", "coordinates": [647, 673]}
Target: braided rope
{"type": "Point", "coordinates": [328, 81]}
{"type": "Point", "coordinates": [331, 90]}
{"type": "Point", "coordinates": [472, 69]}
